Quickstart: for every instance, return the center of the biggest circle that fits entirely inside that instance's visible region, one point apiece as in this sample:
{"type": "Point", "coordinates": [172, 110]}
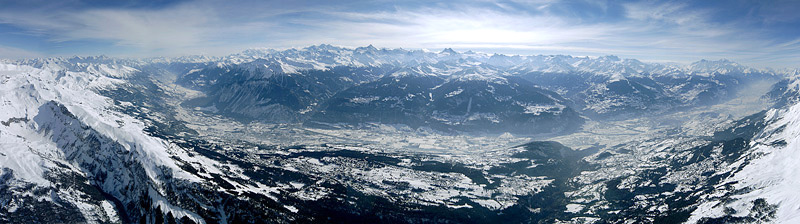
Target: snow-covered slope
{"type": "Point", "coordinates": [451, 96]}
{"type": "Point", "coordinates": [764, 181]}
{"type": "Point", "coordinates": [600, 87]}
{"type": "Point", "coordinates": [56, 128]}
{"type": "Point", "coordinates": [98, 139]}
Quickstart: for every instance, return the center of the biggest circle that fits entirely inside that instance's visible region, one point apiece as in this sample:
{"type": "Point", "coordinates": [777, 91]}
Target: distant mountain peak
{"type": "Point", "coordinates": [322, 47]}
{"type": "Point", "coordinates": [721, 66]}
{"type": "Point", "coordinates": [448, 51]}
{"type": "Point", "coordinates": [610, 58]}
{"type": "Point", "coordinates": [370, 48]}
{"type": "Point", "coordinates": [722, 61]}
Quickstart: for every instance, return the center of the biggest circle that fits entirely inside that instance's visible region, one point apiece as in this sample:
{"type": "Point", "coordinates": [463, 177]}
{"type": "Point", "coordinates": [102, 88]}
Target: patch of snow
{"type": "Point", "coordinates": [574, 208]}
{"type": "Point", "coordinates": [362, 100]}
{"type": "Point", "coordinates": [454, 93]}
{"type": "Point", "coordinates": [291, 208]}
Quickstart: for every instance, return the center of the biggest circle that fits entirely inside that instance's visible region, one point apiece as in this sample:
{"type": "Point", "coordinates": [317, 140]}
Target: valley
{"type": "Point", "coordinates": [333, 134]}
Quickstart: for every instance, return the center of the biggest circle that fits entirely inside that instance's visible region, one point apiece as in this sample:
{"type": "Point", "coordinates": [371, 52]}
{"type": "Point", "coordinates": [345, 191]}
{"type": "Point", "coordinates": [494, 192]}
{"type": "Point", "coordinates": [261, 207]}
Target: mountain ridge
{"type": "Point", "coordinates": [79, 130]}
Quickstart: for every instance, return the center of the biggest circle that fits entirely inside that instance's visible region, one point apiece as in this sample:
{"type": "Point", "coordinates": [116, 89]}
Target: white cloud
{"type": "Point", "coordinates": [650, 30]}
{"type": "Point", "coordinates": [464, 27]}
{"type": "Point", "coordinates": [180, 29]}
{"type": "Point", "coordinates": [146, 29]}
{"type": "Point", "coordinates": [676, 13]}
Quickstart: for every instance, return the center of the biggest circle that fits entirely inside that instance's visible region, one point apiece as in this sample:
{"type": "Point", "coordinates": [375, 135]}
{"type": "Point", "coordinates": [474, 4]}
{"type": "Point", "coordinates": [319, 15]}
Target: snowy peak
{"type": "Point", "coordinates": [255, 53]}
{"type": "Point", "coordinates": [448, 52]}
{"type": "Point", "coordinates": [325, 56]}
{"type": "Point", "coordinates": [58, 127]}
{"type": "Point", "coordinates": [611, 67]}
{"type": "Point", "coordinates": [322, 57]}
{"type": "Point", "coordinates": [501, 60]}
{"type": "Point", "coordinates": [609, 58]}
{"type": "Point", "coordinates": [722, 66]}
{"type": "Point", "coordinates": [324, 47]}
{"type": "Point", "coordinates": [94, 118]}
{"type": "Point", "coordinates": [368, 49]}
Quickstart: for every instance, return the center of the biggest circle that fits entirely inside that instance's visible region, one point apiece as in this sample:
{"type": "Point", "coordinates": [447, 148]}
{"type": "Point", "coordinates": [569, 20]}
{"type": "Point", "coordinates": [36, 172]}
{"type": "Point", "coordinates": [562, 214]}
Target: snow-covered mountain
{"type": "Point", "coordinates": [601, 88]}
{"type": "Point", "coordinates": [450, 97]}
{"type": "Point", "coordinates": [332, 134]}
{"type": "Point", "coordinates": [64, 149]}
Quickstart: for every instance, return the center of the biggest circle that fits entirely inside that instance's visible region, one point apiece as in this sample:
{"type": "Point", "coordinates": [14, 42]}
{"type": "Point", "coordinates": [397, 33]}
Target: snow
{"type": "Point", "coordinates": [296, 185]}
{"type": "Point", "coordinates": [110, 211]}
{"type": "Point", "coordinates": [493, 204]}
{"type": "Point", "coordinates": [26, 164]}
{"type": "Point", "coordinates": [160, 201]}
{"type": "Point", "coordinates": [291, 208]}
{"type": "Point", "coordinates": [287, 68]}
{"type": "Point", "coordinates": [29, 148]}
{"type": "Point", "coordinates": [773, 173]}
{"type": "Point", "coordinates": [29, 152]}
{"type": "Point", "coordinates": [574, 208]}
{"type": "Point", "coordinates": [364, 100]}
{"type": "Point", "coordinates": [454, 93]}
{"type": "Point", "coordinates": [194, 70]}
{"type": "Point", "coordinates": [538, 108]}
{"type": "Point", "coordinates": [17, 138]}
{"type": "Point", "coordinates": [775, 176]}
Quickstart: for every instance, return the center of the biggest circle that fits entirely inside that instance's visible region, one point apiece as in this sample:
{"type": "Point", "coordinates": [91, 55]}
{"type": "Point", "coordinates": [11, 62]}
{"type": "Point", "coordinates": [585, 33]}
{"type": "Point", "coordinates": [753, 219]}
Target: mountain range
{"type": "Point", "coordinates": [335, 134]}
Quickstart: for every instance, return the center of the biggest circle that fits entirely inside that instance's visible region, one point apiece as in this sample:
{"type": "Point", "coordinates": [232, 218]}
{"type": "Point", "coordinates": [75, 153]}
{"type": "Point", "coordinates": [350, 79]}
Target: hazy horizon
{"type": "Point", "coordinates": [479, 51]}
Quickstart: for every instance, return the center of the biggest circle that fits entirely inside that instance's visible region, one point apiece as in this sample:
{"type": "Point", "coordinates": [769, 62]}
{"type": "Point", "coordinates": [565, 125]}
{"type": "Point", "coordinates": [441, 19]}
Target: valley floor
{"type": "Point", "coordinates": [620, 156]}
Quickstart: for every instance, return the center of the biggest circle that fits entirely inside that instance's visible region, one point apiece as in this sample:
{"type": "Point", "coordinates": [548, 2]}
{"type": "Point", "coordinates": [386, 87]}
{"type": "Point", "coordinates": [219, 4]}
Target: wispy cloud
{"type": "Point", "coordinates": [465, 26]}
{"type": "Point", "coordinates": [180, 29]}
{"type": "Point", "coordinates": [651, 30]}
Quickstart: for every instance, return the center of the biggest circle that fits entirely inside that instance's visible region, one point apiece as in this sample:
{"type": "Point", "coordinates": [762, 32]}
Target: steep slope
{"type": "Point", "coordinates": [66, 149]}
{"type": "Point", "coordinates": [447, 97]}
{"type": "Point", "coordinates": [99, 139]}
{"type": "Point", "coordinates": [624, 93]}
{"type": "Point", "coordinates": [80, 138]}
{"type": "Point", "coordinates": [398, 98]}
{"type": "Point", "coordinates": [284, 86]}
{"type": "Point", "coordinates": [469, 101]}
{"type": "Point", "coordinates": [266, 95]}
{"type": "Point", "coordinates": [733, 175]}
{"type": "Point", "coordinates": [761, 185]}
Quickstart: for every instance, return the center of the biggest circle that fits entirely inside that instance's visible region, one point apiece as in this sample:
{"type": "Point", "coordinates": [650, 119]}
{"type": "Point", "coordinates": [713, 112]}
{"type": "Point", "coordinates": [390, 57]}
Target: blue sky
{"type": "Point", "coordinates": [758, 33]}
